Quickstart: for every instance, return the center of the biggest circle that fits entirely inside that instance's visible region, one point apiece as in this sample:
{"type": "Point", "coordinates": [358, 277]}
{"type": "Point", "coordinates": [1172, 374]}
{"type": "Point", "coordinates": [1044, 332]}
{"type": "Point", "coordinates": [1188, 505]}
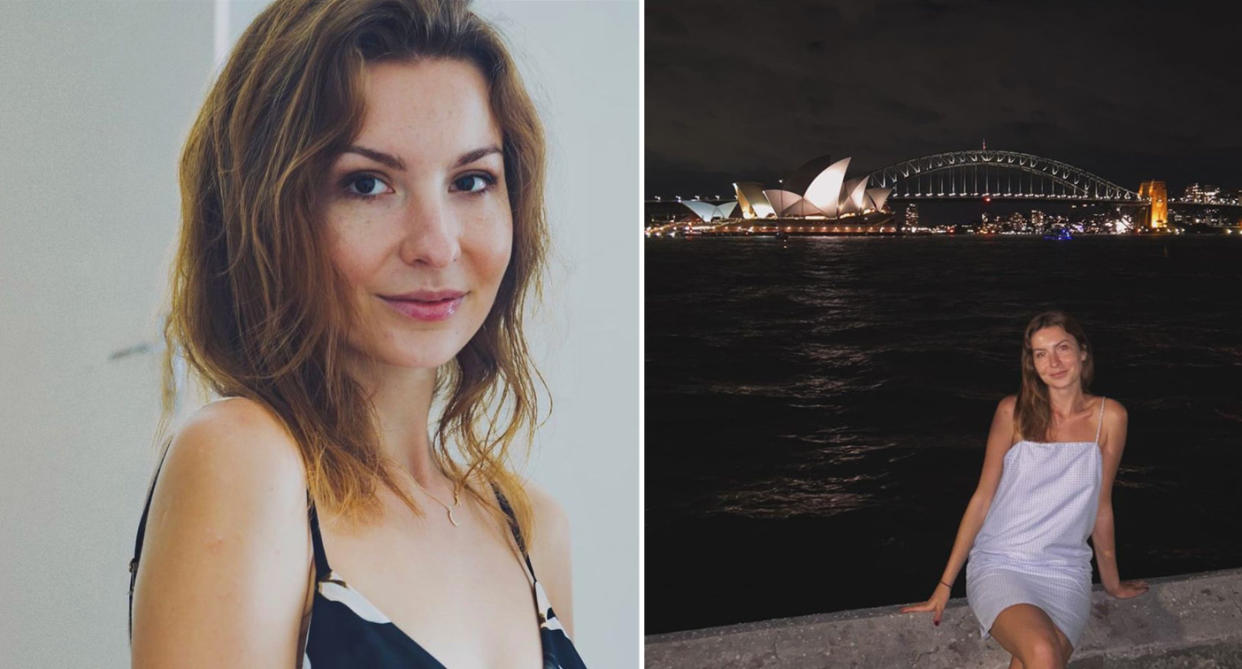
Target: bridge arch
{"type": "Point", "coordinates": [987, 172]}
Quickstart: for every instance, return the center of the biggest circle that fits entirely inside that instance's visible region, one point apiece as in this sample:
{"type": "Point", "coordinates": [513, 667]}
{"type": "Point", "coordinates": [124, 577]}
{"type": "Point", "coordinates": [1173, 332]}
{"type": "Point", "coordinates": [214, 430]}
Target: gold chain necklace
{"type": "Point", "coordinates": [447, 508]}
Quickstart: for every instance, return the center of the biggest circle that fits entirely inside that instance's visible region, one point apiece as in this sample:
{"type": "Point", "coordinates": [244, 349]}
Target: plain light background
{"type": "Point", "coordinates": [96, 98]}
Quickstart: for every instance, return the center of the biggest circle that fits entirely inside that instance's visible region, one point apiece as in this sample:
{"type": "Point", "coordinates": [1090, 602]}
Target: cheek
{"type": "Point", "coordinates": [491, 249]}
{"type": "Point", "coordinates": [356, 256]}
{"type": "Point", "coordinates": [502, 252]}
{"type": "Point", "coordinates": [351, 266]}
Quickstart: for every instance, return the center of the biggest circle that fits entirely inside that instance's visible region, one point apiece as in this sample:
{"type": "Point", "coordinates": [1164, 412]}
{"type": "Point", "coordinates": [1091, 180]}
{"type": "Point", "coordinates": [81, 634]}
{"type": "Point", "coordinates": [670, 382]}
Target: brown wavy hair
{"type": "Point", "coordinates": [258, 309]}
{"type": "Point", "coordinates": [1032, 415]}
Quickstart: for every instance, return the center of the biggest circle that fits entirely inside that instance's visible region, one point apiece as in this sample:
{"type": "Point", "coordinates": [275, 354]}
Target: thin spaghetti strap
{"type": "Point", "coordinates": [322, 569]}
{"type": "Point", "coordinates": [1100, 425]}
{"type": "Point", "coordinates": [517, 531]}
{"type": "Point", "coordinates": [142, 531]}
{"type": "Point", "coordinates": [513, 524]}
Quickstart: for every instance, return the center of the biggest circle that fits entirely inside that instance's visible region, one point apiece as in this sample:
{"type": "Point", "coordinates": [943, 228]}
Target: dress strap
{"type": "Point", "coordinates": [1100, 425]}
{"type": "Point", "coordinates": [142, 530]}
{"type": "Point", "coordinates": [322, 568]}
{"type": "Point", "coordinates": [516, 529]}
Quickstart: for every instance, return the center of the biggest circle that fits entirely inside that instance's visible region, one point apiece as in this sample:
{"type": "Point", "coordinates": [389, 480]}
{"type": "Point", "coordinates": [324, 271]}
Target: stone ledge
{"type": "Point", "coordinates": [1192, 620]}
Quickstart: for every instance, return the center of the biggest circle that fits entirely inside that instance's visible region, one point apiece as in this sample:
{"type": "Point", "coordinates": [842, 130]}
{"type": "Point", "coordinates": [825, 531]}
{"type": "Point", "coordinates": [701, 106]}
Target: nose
{"type": "Point", "coordinates": [431, 233]}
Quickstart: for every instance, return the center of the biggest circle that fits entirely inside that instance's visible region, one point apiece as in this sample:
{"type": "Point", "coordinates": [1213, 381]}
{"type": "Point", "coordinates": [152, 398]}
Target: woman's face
{"type": "Point", "coordinates": [417, 212]}
{"type": "Point", "coordinates": [1058, 357]}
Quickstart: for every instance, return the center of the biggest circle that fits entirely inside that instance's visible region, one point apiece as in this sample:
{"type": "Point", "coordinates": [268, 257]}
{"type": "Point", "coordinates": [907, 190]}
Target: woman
{"type": "Point", "coordinates": [1052, 454]}
{"type": "Point", "coordinates": [362, 220]}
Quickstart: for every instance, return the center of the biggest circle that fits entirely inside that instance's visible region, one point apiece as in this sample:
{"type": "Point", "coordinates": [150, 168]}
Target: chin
{"type": "Point", "coordinates": [425, 355]}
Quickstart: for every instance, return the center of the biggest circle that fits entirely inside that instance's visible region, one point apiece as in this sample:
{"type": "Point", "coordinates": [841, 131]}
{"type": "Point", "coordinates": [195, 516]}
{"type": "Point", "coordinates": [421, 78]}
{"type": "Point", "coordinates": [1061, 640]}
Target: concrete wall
{"type": "Point", "coordinates": [97, 96]}
{"type": "Point", "coordinates": [1182, 621]}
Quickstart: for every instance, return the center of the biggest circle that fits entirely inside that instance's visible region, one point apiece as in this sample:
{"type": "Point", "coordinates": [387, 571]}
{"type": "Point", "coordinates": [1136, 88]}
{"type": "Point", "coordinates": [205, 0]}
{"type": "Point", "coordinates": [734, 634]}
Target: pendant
{"type": "Point", "coordinates": [451, 518]}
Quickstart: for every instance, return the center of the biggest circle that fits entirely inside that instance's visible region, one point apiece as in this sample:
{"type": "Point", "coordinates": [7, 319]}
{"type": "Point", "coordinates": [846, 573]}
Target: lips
{"type": "Point", "coordinates": [426, 305]}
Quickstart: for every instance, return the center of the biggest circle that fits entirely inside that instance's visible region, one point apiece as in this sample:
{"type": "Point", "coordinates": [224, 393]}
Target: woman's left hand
{"type": "Point", "coordinates": [1127, 589]}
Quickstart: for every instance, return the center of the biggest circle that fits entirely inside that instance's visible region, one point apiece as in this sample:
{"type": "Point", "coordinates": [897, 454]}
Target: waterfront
{"type": "Point", "coordinates": [816, 407]}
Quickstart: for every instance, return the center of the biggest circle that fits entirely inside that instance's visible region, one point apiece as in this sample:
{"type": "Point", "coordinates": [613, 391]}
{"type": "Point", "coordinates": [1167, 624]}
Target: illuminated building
{"type": "Point", "coordinates": [828, 195]}
{"type": "Point", "coordinates": [753, 200]}
{"type": "Point", "coordinates": [825, 189]}
{"type": "Point", "coordinates": [912, 216]}
{"type": "Point", "coordinates": [1158, 217]}
{"type": "Point", "coordinates": [781, 199]}
{"type": "Point", "coordinates": [1202, 194]}
{"type": "Point", "coordinates": [708, 211]}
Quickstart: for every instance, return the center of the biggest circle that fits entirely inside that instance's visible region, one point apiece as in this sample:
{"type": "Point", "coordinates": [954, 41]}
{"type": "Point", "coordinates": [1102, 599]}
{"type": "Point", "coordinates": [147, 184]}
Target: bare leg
{"type": "Point", "coordinates": [1031, 637]}
{"type": "Point", "coordinates": [1015, 663]}
{"type": "Point", "coordinates": [1066, 648]}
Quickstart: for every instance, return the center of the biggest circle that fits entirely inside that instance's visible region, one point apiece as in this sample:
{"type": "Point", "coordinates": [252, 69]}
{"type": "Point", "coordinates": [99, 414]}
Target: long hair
{"type": "Point", "coordinates": [1033, 413]}
{"type": "Point", "coordinates": [258, 308]}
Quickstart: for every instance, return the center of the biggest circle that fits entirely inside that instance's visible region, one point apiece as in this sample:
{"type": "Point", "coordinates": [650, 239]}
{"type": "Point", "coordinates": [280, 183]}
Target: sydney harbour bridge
{"type": "Point", "coordinates": [996, 174]}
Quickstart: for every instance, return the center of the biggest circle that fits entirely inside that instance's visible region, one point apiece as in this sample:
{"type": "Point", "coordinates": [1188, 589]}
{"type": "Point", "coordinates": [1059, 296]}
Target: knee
{"type": "Point", "coordinates": [1044, 653]}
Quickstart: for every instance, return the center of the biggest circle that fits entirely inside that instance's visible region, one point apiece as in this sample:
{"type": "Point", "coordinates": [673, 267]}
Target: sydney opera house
{"type": "Point", "coordinates": [816, 198]}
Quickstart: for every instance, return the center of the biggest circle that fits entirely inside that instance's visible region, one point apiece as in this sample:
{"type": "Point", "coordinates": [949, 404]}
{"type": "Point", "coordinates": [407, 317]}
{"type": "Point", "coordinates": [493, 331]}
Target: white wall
{"type": "Point", "coordinates": [95, 100]}
{"type": "Point", "coordinates": [580, 60]}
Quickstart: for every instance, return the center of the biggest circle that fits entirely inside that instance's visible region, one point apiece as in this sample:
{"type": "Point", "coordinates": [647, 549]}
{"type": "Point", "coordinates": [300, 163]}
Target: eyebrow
{"type": "Point", "coordinates": [1058, 343]}
{"type": "Point", "coordinates": [386, 159]}
{"type": "Point", "coordinates": [396, 163]}
{"type": "Point", "coordinates": [471, 156]}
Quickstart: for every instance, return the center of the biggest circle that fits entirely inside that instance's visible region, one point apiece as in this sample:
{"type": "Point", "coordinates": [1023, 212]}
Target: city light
{"type": "Point", "coordinates": [883, 203]}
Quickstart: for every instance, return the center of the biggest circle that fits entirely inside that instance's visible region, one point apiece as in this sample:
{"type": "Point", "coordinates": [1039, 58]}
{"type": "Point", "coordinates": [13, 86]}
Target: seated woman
{"type": "Point", "coordinates": [1047, 480]}
{"type": "Point", "coordinates": [362, 222]}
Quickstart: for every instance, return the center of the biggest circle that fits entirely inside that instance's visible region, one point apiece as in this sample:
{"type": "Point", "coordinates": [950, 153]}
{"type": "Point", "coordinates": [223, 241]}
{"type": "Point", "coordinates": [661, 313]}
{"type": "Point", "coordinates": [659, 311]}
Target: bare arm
{"type": "Point", "coordinates": [1113, 441]}
{"type": "Point", "coordinates": [223, 573]}
{"type": "Point", "coordinates": [550, 555]}
{"type": "Point", "coordinates": [1000, 438]}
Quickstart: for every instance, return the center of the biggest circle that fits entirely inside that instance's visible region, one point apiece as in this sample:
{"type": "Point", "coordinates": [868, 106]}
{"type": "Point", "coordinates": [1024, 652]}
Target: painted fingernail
{"type": "Point", "coordinates": [936, 623]}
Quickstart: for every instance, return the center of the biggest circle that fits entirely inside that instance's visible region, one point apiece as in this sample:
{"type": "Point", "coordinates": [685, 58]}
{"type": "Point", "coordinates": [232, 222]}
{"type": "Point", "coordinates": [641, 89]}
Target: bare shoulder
{"type": "Point", "coordinates": [241, 430]}
{"type": "Point", "coordinates": [238, 450]}
{"type": "Point", "coordinates": [550, 551]}
{"type": "Point", "coordinates": [549, 516]}
{"type": "Point", "coordinates": [1006, 406]}
{"type": "Point", "coordinates": [1115, 412]}
{"type": "Point", "coordinates": [1002, 421]}
{"type": "Point", "coordinates": [1115, 424]}
{"type": "Point", "coordinates": [223, 570]}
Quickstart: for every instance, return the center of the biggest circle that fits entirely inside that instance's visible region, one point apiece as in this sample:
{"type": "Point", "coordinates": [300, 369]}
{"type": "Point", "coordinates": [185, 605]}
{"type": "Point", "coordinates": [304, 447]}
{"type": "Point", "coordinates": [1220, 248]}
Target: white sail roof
{"type": "Point", "coordinates": [878, 197]}
{"type": "Point", "coordinates": [781, 200]}
{"type": "Point", "coordinates": [754, 202]}
{"type": "Point", "coordinates": [802, 207]}
{"type": "Point", "coordinates": [703, 210]}
{"type": "Point", "coordinates": [825, 190]}
{"type": "Point", "coordinates": [852, 195]}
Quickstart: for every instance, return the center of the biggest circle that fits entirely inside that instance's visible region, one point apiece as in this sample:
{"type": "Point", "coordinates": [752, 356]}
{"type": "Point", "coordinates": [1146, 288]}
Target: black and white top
{"type": "Point", "coordinates": [346, 630]}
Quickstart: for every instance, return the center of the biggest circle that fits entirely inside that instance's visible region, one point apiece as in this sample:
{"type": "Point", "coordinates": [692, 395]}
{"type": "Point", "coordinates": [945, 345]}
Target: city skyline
{"type": "Point", "coordinates": [1131, 92]}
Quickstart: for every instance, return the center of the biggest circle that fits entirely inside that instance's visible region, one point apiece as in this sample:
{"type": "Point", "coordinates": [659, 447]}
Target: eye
{"type": "Point", "coordinates": [364, 186]}
{"type": "Point", "coordinates": [473, 183]}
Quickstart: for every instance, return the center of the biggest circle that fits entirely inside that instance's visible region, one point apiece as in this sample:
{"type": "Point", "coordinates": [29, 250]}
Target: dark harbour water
{"type": "Point", "coordinates": [816, 411]}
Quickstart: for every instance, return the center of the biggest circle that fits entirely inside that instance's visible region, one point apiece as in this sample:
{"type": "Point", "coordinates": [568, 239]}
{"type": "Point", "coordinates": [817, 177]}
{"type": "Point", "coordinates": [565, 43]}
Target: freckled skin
{"type": "Point", "coordinates": [436, 224]}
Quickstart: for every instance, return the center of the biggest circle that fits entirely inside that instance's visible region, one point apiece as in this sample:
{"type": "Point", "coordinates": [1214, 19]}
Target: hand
{"type": "Point", "coordinates": [940, 597]}
{"type": "Point", "coordinates": [1127, 589]}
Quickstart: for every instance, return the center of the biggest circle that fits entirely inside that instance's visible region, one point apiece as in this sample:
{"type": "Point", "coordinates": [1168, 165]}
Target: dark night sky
{"type": "Point", "coordinates": [748, 90]}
